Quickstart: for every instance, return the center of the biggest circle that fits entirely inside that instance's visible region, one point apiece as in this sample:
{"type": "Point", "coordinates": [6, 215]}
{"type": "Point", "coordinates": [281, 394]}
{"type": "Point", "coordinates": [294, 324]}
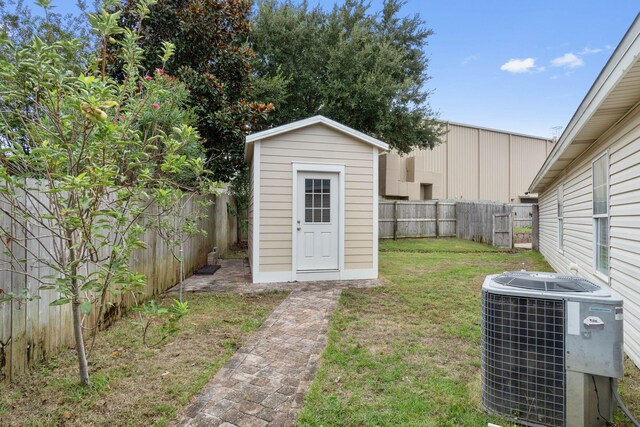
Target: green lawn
{"type": "Point", "coordinates": [134, 385]}
{"type": "Point", "coordinates": [409, 353]}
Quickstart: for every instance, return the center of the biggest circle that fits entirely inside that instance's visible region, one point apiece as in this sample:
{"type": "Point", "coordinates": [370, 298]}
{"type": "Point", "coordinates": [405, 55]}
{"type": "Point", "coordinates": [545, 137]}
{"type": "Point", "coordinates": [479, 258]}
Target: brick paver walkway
{"type": "Point", "coordinates": [265, 382]}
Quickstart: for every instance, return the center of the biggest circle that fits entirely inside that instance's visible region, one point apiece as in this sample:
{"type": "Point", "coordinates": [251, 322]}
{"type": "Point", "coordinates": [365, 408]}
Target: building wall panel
{"type": "Point", "coordinates": [493, 155]}
{"type": "Point", "coordinates": [623, 146]}
{"type": "Point", "coordinates": [527, 156]}
{"type": "Point", "coordinates": [462, 163]}
{"type": "Point", "coordinates": [471, 163]}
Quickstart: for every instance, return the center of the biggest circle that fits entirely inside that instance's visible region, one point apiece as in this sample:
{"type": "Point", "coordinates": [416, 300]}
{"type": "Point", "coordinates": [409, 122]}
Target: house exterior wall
{"type": "Point", "coordinates": [622, 143]}
{"type": "Point", "coordinates": [472, 163]}
{"type": "Point", "coordinates": [274, 157]}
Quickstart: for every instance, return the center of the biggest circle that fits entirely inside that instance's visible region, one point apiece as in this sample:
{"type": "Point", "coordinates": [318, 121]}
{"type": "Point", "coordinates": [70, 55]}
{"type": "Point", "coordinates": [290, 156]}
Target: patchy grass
{"type": "Point", "coordinates": [409, 353]}
{"type": "Point", "coordinates": [234, 253]}
{"type": "Point", "coordinates": [522, 230]}
{"type": "Point", "coordinates": [445, 244]}
{"type": "Point", "coordinates": [132, 384]}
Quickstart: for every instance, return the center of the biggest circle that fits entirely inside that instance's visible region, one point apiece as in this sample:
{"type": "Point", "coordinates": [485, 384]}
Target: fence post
{"type": "Point", "coordinates": [437, 221]}
{"type": "Point", "coordinates": [395, 220]}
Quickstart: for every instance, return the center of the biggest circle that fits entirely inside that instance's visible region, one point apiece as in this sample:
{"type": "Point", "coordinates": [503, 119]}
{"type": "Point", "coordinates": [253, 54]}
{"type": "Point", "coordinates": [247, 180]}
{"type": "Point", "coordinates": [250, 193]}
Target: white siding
{"type": "Point", "coordinates": [623, 145]}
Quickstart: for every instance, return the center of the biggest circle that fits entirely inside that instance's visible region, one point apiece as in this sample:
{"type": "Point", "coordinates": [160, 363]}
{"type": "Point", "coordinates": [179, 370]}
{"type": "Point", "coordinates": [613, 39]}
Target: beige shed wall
{"type": "Point", "coordinates": [623, 145]}
{"type": "Point", "coordinates": [472, 163]}
{"type": "Point", "coordinates": [316, 144]}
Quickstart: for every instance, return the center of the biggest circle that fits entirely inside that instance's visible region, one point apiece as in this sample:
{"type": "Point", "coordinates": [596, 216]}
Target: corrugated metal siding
{"type": "Point", "coordinates": [527, 156]}
{"type": "Point", "coordinates": [493, 156]}
{"type": "Point", "coordinates": [322, 145]}
{"type": "Point", "coordinates": [471, 163]}
{"type": "Point", "coordinates": [623, 144]}
{"type": "Point", "coordinates": [463, 163]}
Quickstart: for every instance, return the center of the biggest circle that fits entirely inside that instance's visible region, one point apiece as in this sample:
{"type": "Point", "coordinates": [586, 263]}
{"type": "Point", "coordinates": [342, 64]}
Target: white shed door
{"type": "Point", "coordinates": [317, 221]}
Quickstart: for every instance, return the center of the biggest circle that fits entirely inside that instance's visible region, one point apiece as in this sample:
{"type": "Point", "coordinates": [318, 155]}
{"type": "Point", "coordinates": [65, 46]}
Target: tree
{"type": "Point", "coordinates": [367, 70]}
{"type": "Point", "coordinates": [83, 159]}
{"type": "Point", "coordinates": [21, 25]}
{"type": "Point", "coordinates": [213, 59]}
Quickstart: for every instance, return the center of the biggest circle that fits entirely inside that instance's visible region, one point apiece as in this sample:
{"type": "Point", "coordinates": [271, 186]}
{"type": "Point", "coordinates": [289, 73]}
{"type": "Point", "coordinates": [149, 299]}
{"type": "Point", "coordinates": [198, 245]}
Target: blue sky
{"type": "Point", "coordinates": [517, 65]}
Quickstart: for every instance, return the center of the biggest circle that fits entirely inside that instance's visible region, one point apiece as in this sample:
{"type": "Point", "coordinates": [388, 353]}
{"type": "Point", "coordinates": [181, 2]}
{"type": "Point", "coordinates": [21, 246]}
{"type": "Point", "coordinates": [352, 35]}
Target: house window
{"type": "Point", "coordinates": [601, 214]}
{"type": "Point", "coordinates": [560, 218]}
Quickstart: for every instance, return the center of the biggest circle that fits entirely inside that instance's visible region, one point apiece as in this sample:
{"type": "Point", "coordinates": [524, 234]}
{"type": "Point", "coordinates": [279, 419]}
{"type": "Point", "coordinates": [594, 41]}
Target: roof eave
{"type": "Point", "coordinates": [250, 139]}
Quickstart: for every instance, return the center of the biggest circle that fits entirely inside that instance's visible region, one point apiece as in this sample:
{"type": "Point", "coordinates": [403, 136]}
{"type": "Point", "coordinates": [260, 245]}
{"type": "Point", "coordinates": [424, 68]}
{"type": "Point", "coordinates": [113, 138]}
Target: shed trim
{"type": "Point", "coordinates": [255, 137]}
{"type": "Point", "coordinates": [255, 261]}
{"type": "Point", "coordinates": [317, 167]}
{"type": "Point", "coordinates": [376, 190]}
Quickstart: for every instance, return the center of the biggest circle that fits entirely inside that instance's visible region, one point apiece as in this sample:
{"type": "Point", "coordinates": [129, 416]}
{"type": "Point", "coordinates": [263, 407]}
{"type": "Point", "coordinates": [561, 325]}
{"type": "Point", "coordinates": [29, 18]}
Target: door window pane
{"type": "Point", "coordinates": [317, 200]}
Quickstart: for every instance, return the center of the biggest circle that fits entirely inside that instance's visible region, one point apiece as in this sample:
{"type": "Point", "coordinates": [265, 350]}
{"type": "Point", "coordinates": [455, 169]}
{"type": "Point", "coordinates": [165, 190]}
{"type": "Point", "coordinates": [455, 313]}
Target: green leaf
{"type": "Point", "coordinates": [85, 306]}
{"type": "Point", "coordinates": [60, 301]}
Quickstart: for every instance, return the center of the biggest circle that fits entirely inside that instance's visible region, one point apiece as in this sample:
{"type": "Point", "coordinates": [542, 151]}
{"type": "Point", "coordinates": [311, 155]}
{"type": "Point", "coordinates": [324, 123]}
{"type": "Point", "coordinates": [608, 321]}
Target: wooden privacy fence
{"type": "Point", "coordinates": [522, 215]}
{"type": "Point", "coordinates": [430, 218]}
{"type": "Point", "coordinates": [485, 222]}
{"type": "Point", "coordinates": [34, 330]}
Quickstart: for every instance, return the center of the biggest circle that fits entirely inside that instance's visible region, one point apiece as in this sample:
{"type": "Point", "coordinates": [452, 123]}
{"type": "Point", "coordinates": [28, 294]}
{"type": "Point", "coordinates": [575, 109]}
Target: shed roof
{"type": "Point", "coordinates": [250, 139]}
{"type": "Point", "coordinates": [612, 96]}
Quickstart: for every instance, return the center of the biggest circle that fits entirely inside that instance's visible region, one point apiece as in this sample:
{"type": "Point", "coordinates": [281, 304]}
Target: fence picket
{"type": "Point", "coordinates": [435, 218]}
{"type": "Point", "coordinates": [34, 330]}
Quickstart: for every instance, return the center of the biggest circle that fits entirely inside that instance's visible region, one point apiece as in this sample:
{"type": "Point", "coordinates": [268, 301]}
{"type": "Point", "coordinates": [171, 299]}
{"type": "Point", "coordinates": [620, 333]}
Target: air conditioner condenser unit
{"type": "Point", "coordinates": [550, 345]}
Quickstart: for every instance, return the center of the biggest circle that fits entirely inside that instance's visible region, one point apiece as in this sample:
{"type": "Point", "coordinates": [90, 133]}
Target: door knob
{"type": "Point", "coordinates": [299, 226]}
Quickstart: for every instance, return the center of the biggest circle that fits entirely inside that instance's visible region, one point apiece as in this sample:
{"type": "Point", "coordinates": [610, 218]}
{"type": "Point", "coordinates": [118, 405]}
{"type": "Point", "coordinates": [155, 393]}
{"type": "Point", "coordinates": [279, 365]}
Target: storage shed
{"type": "Point", "coordinates": [313, 210]}
{"type": "Point", "coordinates": [589, 187]}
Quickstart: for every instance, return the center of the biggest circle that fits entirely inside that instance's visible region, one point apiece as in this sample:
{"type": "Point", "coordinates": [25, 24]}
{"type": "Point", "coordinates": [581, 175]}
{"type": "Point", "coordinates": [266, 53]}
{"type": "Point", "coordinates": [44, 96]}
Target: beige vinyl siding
{"type": "Point", "coordinates": [315, 144]}
{"type": "Point", "coordinates": [623, 145]}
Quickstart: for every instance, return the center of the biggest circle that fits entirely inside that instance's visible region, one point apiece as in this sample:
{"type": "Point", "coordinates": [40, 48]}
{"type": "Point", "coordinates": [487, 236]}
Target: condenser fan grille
{"type": "Point", "coordinates": [523, 358]}
{"type": "Point", "coordinates": [545, 282]}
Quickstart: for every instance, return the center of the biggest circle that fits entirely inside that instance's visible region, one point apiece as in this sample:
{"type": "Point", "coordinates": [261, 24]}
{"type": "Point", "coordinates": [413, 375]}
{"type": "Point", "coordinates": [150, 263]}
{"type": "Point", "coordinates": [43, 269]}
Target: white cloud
{"type": "Point", "coordinates": [519, 65]}
{"type": "Point", "coordinates": [568, 60]}
{"type": "Point", "coordinates": [469, 59]}
{"type": "Point", "coordinates": [589, 51]}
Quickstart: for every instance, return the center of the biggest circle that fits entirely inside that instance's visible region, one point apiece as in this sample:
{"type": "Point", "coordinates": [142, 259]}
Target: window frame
{"type": "Point", "coordinates": [596, 217]}
{"type": "Point", "coordinates": [560, 216]}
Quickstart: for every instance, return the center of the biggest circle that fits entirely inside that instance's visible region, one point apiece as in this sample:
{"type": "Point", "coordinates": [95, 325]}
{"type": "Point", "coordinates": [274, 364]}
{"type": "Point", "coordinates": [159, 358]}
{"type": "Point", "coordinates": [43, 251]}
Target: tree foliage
{"type": "Point", "coordinates": [85, 160]}
{"type": "Point", "coordinates": [364, 69]}
{"type": "Point", "coordinates": [213, 59]}
{"type": "Point", "coordinates": [21, 25]}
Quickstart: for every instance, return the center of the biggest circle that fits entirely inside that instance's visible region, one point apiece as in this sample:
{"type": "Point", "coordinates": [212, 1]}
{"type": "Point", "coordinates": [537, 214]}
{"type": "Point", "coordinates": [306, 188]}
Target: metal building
{"type": "Point", "coordinates": [472, 163]}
